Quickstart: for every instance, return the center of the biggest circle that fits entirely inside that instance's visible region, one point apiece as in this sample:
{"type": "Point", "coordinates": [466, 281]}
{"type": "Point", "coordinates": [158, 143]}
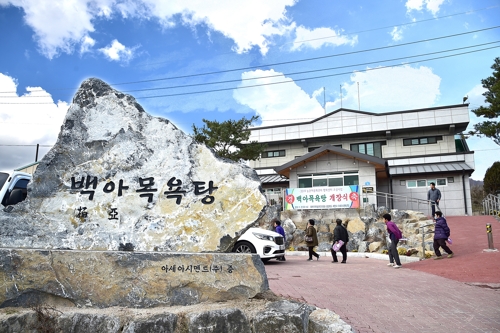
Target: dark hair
{"type": "Point", "coordinates": [387, 217]}
{"type": "Point", "coordinates": [339, 221]}
{"type": "Point", "coordinates": [438, 213]}
{"type": "Point", "coordinates": [277, 222]}
{"type": "Point", "coordinates": [432, 183]}
{"type": "Point", "coordinates": [311, 221]}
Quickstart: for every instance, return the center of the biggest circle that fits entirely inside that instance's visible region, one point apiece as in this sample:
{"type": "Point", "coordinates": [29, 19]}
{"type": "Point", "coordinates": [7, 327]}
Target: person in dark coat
{"type": "Point", "coordinates": [395, 235]}
{"type": "Point", "coordinates": [340, 233]}
{"type": "Point", "coordinates": [441, 234]}
{"type": "Point", "coordinates": [433, 195]}
{"type": "Point", "coordinates": [311, 232]}
{"type": "Point", "coordinates": [279, 229]}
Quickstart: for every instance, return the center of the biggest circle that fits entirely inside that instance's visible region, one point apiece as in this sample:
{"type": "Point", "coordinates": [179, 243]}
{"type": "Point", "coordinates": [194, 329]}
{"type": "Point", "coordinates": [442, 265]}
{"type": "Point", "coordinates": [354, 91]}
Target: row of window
{"type": "Point", "coordinates": [426, 182]}
{"type": "Point", "coordinates": [328, 179]}
{"type": "Point", "coordinates": [368, 148]}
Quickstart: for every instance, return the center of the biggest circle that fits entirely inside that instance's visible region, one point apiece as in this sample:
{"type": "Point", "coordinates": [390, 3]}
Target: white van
{"type": "Point", "coordinates": [267, 244]}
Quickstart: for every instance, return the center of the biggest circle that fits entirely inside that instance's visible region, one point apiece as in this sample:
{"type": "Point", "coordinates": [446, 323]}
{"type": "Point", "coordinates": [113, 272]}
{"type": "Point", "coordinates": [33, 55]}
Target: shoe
{"type": "Point", "coordinates": [390, 264]}
{"type": "Point", "coordinates": [437, 258]}
{"type": "Point", "coordinates": [450, 255]}
{"type": "Point", "coordinates": [343, 262]}
{"type": "Point", "coordinates": [397, 266]}
{"type": "Point", "coordinates": [309, 259]}
{"type": "Point", "coordinates": [333, 261]}
{"type": "Point", "coordinates": [317, 258]}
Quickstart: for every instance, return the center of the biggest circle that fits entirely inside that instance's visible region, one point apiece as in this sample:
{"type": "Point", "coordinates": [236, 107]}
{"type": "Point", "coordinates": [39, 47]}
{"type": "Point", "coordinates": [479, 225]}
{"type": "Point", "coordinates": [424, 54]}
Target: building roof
{"type": "Point", "coordinates": [430, 168]}
{"type": "Point", "coordinates": [378, 163]}
{"type": "Point", "coordinates": [273, 179]}
{"type": "Point", "coordinates": [345, 123]}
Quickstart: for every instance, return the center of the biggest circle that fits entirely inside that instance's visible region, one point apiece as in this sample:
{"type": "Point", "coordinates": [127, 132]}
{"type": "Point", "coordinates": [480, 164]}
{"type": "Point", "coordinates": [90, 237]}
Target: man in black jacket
{"type": "Point", "coordinates": [340, 234]}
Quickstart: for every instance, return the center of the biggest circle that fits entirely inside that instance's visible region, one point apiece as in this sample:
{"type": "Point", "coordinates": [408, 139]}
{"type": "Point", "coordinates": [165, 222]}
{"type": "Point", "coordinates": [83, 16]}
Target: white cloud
{"type": "Point", "coordinates": [26, 122]}
{"type": "Point", "coordinates": [117, 51]}
{"type": "Point", "coordinates": [87, 44]}
{"type": "Point", "coordinates": [279, 103]}
{"type": "Point", "coordinates": [432, 6]}
{"type": "Point", "coordinates": [390, 89]}
{"type": "Point", "coordinates": [319, 37]}
{"type": "Point", "coordinates": [397, 34]}
{"type": "Point", "coordinates": [486, 151]}
{"type": "Point", "coordinates": [61, 25]}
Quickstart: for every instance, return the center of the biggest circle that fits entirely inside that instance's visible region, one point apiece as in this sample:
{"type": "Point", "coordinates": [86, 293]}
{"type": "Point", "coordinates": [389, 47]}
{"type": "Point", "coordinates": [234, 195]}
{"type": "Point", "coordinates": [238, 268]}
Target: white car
{"type": "Point", "coordinates": [267, 244]}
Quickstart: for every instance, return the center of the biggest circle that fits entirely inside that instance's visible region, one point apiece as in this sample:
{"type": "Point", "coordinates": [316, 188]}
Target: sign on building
{"type": "Point", "coordinates": [322, 197]}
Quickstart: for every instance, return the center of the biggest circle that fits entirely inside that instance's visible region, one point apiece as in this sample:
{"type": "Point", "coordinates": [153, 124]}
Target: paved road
{"type": "Point", "coordinates": [373, 297]}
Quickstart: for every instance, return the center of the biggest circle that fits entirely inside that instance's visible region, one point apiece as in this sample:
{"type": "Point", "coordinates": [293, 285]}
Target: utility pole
{"type": "Point", "coordinates": [36, 156]}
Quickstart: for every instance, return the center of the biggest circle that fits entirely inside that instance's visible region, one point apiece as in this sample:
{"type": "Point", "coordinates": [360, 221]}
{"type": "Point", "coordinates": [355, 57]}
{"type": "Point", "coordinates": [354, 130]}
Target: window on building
{"type": "Point", "coordinates": [310, 149]}
{"type": "Point", "coordinates": [422, 141]}
{"type": "Point", "coordinates": [274, 153]}
{"type": "Point", "coordinates": [369, 148]}
{"type": "Point", "coordinates": [450, 180]}
{"type": "Point", "coordinates": [328, 179]}
{"type": "Point", "coordinates": [425, 182]}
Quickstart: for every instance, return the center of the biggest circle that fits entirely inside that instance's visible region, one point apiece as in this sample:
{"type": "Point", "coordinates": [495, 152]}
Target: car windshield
{"type": "Point", "coordinates": [3, 178]}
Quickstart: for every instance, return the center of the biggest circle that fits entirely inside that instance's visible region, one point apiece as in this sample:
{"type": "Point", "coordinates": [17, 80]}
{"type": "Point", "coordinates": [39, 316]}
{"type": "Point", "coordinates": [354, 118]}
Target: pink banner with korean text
{"type": "Point", "coordinates": [322, 197]}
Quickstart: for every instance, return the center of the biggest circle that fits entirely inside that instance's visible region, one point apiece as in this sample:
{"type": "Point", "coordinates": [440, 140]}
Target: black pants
{"type": "Point", "coordinates": [393, 252]}
{"type": "Point", "coordinates": [441, 243]}
{"type": "Point", "coordinates": [433, 207]}
{"type": "Point", "coordinates": [343, 250]}
{"type": "Point", "coordinates": [312, 253]}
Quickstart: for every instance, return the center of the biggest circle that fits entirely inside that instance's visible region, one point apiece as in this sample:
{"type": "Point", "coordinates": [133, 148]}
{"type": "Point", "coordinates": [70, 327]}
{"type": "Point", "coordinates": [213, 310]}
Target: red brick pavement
{"type": "Point", "coordinates": [427, 296]}
{"type": "Point", "coordinates": [470, 263]}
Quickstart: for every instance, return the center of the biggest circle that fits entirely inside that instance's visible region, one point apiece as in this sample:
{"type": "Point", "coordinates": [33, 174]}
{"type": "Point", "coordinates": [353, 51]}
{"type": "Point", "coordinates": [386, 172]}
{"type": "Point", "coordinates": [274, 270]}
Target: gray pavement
{"type": "Point", "coordinates": [373, 297]}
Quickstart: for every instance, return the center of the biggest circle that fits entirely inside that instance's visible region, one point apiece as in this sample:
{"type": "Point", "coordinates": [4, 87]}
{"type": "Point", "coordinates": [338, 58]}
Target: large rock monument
{"type": "Point", "coordinates": [120, 179]}
{"type": "Point", "coordinates": [118, 175]}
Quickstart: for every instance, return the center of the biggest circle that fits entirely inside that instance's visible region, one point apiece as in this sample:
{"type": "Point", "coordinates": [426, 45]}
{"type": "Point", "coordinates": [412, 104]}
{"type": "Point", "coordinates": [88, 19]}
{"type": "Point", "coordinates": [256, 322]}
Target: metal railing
{"type": "Point", "coordinates": [491, 205]}
{"type": "Point", "coordinates": [400, 201]}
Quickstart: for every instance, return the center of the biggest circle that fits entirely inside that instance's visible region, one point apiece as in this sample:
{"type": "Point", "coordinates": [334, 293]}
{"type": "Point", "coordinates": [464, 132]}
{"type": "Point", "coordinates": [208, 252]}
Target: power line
{"type": "Point", "coordinates": [291, 61]}
{"type": "Point", "coordinates": [315, 77]}
{"type": "Point", "coordinates": [293, 73]}
{"type": "Point", "coordinates": [309, 71]}
{"type": "Point", "coordinates": [309, 59]}
{"type": "Point", "coordinates": [357, 32]}
{"type": "Point", "coordinates": [297, 80]}
{"type": "Point", "coordinates": [1, 145]}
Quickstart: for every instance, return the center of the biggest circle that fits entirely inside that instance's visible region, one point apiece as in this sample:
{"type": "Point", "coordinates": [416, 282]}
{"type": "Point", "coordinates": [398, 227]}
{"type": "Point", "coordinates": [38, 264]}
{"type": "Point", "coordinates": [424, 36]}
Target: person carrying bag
{"type": "Point", "coordinates": [340, 239]}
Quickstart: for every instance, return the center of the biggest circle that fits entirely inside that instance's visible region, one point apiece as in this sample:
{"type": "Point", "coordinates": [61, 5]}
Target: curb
{"type": "Point", "coordinates": [378, 256]}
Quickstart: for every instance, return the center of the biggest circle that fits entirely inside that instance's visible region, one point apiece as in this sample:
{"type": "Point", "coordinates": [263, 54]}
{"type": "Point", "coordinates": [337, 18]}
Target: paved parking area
{"type": "Point", "coordinates": [425, 296]}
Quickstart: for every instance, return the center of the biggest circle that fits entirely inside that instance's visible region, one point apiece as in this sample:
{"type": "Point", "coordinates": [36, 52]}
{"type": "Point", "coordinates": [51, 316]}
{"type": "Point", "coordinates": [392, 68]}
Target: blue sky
{"type": "Point", "coordinates": [168, 54]}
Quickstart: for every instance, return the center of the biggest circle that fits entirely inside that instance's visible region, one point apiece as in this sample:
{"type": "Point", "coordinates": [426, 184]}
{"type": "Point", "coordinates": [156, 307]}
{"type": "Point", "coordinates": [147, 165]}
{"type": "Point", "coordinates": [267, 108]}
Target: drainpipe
{"type": "Point", "coordinates": [390, 191]}
{"type": "Point", "coordinates": [465, 195]}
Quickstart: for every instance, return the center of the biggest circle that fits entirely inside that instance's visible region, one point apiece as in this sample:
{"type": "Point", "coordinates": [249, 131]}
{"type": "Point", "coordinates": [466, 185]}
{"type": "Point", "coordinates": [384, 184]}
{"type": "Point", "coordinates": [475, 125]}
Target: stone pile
{"type": "Point", "coordinates": [366, 228]}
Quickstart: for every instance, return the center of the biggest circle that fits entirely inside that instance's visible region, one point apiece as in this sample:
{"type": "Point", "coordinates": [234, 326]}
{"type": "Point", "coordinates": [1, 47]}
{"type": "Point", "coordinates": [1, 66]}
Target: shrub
{"type": "Point", "coordinates": [401, 251]}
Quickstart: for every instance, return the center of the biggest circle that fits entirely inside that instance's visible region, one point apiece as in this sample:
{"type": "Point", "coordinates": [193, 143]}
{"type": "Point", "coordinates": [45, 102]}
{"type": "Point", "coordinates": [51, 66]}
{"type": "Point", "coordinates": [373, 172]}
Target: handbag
{"type": "Point", "coordinates": [337, 245]}
{"type": "Point", "coordinates": [449, 241]}
{"type": "Point", "coordinates": [308, 239]}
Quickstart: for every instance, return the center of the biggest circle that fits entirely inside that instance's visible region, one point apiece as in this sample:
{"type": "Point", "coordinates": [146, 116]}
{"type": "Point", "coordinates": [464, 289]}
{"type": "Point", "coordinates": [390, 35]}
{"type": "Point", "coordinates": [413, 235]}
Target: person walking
{"type": "Point", "coordinates": [340, 234]}
{"type": "Point", "coordinates": [434, 195]}
{"type": "Point", "coordinates": [279, 229]}
{"type": "Point", "coordinates": [441, 235]}
{"type": "Point", "coordinates": [394, 235]}
{"type": "Point", "coordinates": [311, 239]}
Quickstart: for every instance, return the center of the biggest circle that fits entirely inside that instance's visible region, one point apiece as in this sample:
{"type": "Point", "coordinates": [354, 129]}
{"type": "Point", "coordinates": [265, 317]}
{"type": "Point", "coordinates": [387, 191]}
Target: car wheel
{"type": "Point", "coordinates": [244, 247]}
